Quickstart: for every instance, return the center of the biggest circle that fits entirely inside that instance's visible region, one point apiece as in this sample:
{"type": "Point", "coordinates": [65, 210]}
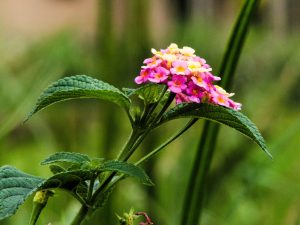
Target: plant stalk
{"type": "Point", "coordinates": [131, 145]}
{"type": "Point", "coordinates": [195, 194]}
{"type": "Point", "coordinates": [85, 210]}
{"type": "Point", "coordinates": [167, 142]}
{"type": "Point", "coordinates": [81, 215]}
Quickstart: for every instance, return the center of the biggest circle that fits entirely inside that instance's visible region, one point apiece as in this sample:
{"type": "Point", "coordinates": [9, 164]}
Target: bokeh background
{"type": "Point", "coordinates": [41, 41]}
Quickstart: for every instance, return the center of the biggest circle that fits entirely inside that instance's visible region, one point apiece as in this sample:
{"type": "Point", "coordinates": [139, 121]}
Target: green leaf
{"type": "Point", "coordinates": [127, 169]}
{"type": "Point", "coordinates": [15, 188]}
{"type": "Point", "coordinates": [221, 115]}
{"type": "Point", "coordinates": [82, 190]}
{"type": "Point", "coordinates": [67, 180]}
{"type": "Point", "coordinates": [150, 93]}
{"type": "Point", "coordinates": [75, 182]}
{"type": "Point", "coordinates": [80, 86]}
{"type": "Point", "coordinates": [66, 157]}
{"type": "Point", "coordinates": [56, 169]}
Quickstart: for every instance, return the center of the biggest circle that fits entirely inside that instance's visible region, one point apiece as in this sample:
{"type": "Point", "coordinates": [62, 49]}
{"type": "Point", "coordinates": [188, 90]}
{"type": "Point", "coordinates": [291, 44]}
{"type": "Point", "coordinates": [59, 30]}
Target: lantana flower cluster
{"type": "Point", "coordinates": [186, 75]}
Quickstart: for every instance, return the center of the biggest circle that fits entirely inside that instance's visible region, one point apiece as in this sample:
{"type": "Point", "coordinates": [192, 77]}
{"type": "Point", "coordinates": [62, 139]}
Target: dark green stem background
{"type": "Point", "coordinates": [196, 191]}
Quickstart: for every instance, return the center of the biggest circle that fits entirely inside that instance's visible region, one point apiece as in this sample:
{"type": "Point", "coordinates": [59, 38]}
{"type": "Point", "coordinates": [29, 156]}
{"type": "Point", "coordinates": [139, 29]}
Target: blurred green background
{"type": "Point", "coordinates": [42, 41]}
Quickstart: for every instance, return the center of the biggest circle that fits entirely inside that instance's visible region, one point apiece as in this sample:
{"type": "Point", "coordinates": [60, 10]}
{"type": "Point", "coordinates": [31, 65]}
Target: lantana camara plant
{"type": "Point", "coordinates": [171, 73]}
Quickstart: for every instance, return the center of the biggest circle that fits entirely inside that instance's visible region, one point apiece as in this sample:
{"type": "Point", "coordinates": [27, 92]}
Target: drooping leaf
{"type": "Point", "coordinates": [127, 169]}
{"type": "Point", "coordinates": [75, 182]}
{"type": "Point", "coordinates": [67, 180]}
{"type": "Point", "coordinates": [69, 157]}
{"type": "Point", "coordinates": [15, 188]}
{"type": "Point", "coordinates": [150, 93]}
{"type": "Point", "coordinates": [219, 114]}
{"type": "Point", "coordinates": [80, 86]}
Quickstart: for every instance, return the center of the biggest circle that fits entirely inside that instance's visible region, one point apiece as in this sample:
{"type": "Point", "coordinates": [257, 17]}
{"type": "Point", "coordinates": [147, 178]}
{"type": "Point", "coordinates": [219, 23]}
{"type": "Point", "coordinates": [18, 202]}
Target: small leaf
{"type": "Point", "coordinates": [150, 93]}
{"type": "Point", "coordinates": [82, 190]}
{"type": "Point", "coordinates": [127, 169]}
{"type": "Point", "coordinates": [129, 91]}
{"type": "Point", "coordinates": [68, 157]}
{"type": "Point", "coordinates": [80, 86]}
{"type": "Point", "coordinates": [72, 181]}
{"type": "Point", "coordinates": [15, 188]}
{"type": "Point", "coordinates": [93, 164]}
{"type": "Point", "coordinates": [219, 114]}
{"type": "Point", "coordinates": [66, 180]}
{"type": "Point", "coordinates": [56, 169]}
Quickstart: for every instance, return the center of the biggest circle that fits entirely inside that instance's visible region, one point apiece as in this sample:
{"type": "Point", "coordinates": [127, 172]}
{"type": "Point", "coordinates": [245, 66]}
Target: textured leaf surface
{"type": "Point", "coordinates": [219, 114]}
{"type": "Point", "coordinates": [150, 93]}
{"type": "Point", "coordinates": [56, 169]}
{"type": "Point", "coordinates": [82, 190]}
{"type": "Point", "coordinates": [69, 157]}
{"type": "Point", "coordinates": [127, 169]}
{"type": "Point", "coordinates": [66, 180]}
{"type": "Point", "coordinates": [15, 188]}
{"type": "Point", "coordinates": [80, 86]}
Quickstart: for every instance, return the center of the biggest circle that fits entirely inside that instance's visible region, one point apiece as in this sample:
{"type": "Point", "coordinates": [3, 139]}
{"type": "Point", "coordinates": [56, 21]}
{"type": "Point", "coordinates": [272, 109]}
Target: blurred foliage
{"type": "Point", "coordinates": [245, 186]}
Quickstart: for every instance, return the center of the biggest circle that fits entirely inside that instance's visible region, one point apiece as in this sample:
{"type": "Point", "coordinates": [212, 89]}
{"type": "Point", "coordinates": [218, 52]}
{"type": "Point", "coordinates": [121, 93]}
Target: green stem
{"type": "Point", "coordinates": [137, 136]}
{"type": "Point", "coordinates": [101, 188]}
{"type": "Point", "coordinates": [159, 148]}
{"type": "Point", "coordinates": [147, 109]}
{"type": "Point", "coordinates": [192, 206]}
{"type": "Point", "coordinates": [91, 189]}
{"type": "Point", "coordinates": [165, 107]}
{"type": "Point", "coordinates": [85, 210]}
{"type": "Point", "coordinates": [36, 212]}
{"type": "Point", "coordinates": [149, 112]}
{"type": "Point", "coordinates": [134, 136]}
{"type": "Point", "coordinates": [130, 117]}
{"type": "Point", "coordinates": [195, 194]}
{"type": "Point", "coordinates": [79, 198]}
{"type": "Point", "coordinates": [163, 145]}
{"type": "Point", "coordinates": [39, 202]}
{"type": "Point", "coordinates": [128, 152]}
{"type": "Point", "coordinates": [236, 43]}
{"type": "Point", "coordinates": [81, 215]}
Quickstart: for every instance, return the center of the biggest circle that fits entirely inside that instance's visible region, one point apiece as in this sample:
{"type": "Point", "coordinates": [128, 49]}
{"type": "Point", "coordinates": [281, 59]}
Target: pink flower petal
{"type": "Point", "coordinates": [186, 75]}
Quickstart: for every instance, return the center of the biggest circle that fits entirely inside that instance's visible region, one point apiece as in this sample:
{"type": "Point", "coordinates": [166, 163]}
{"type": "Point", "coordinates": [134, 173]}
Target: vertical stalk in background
{"type": "Point", "coordinates": [195, 195]}
{"type": "Point", "coordinates": [104, 66]}
{"type": "Point", "coordinates": [136, 34]}
{"type": "Point", "coordinates": [105, 39]}
{"type": "Point", "coordinates": [183, 8]}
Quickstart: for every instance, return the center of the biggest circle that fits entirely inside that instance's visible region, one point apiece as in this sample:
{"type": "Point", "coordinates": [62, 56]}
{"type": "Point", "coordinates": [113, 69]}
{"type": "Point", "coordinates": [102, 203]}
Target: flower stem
{"type": "Point", "coordinates": [91, 189]}
{"type": "Point", "coordinates": [163, 145]}
{"type": "Point", "coordinates": [148, 111]}
{"type": "Point", "coordinates": [165, 107]}
{"type": "Point", "coordinates": [127, 152]}
{"type": "Point", "coordinates": [136, 137]}
{"type": "Point", "coordinates": [159, 148]}
{"type": "Point", "coordinates": [81, 215]}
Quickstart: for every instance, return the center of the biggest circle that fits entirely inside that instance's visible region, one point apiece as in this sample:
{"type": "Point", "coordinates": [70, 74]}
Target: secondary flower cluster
{"type": "Point", "coordinates": [186, 75]}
